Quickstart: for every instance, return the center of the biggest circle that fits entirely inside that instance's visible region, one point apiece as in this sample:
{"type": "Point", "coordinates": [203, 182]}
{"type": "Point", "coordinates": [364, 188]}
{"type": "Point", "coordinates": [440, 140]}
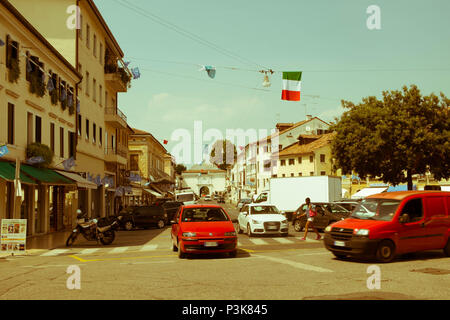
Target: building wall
{"type": "Point", "coordinates": [306, 166]}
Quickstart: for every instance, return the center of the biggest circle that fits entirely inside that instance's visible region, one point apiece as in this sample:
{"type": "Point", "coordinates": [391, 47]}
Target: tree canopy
{"type": "Point", "coordinates": [180, 168]}
{"type": "Point", "coordinates": [403, 134]}
{"type": "Point", "coordinates": [223, 154]}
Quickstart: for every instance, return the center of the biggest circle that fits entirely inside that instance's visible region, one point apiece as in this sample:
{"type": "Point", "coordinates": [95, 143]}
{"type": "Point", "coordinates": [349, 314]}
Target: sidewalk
{"type": "Point", "coordinates": [44, 242]}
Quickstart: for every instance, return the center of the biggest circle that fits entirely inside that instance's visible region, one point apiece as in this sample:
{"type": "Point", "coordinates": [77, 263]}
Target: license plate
{"type": "Point", "coordinates": [339, 243]}
{"type": "Point", "coordinates": [211, 244]}
{"type": "Point", "coordinates": [272, 228]}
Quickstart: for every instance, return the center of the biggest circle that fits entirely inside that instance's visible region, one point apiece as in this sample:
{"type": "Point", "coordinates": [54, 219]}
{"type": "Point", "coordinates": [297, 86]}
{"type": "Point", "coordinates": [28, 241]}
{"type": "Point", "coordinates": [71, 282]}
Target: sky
{"type": "Point", "coordinates": [328, 40]}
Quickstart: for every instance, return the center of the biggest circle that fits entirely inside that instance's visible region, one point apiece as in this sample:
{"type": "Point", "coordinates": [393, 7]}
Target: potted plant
{"type": "Point", "coordinates": [14, 71]}
{"type": "Point", "coordinates": [40, 150]}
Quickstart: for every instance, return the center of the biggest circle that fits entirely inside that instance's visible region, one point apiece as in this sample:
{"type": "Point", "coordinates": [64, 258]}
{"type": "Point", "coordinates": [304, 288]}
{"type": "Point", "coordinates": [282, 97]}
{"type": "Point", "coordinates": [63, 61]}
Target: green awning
{"type": "Point", "coordinates": [8, 173]}
{"type": "Point", "coordinates": [46, 176]}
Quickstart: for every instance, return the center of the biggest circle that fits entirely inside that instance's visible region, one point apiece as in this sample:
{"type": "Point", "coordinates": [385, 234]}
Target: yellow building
{"type": "Point", "coordinates": [149, 158]}
{"type": "Point", "coordinates": [310, 156]}
{"type": "Point", "coordinates": [84, 38]}
{"type": "Point", "coordinates": [37, 105]}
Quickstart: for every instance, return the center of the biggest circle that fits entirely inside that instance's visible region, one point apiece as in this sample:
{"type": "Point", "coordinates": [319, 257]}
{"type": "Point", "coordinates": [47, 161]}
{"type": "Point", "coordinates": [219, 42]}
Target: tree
{"type": "Point", "coordinates": [180, 168]}
{"type": "Point", "coordinates": [223, 154]}
{"type": "Point", "coordinates": [396, 137]}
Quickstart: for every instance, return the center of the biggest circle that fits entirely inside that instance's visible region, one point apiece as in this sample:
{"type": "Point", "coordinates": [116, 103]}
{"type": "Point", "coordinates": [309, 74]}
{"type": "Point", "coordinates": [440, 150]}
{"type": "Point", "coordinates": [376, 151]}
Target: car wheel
{"type": "Point", "coordinates": [447, 248]}
{"type": "Point", "coordinates": [239, 230]}
{"type": "Point", "coordinates": [285, 234]}
{"type": "Point", "coordinates": [161, 224]}
{"type": "Point", "coordinates": [249, 231]}
{"type": "Point", "coordinates": [386, 251]}
{"type": "Point", "coordinates": [129, 225]}
{"type": "Point", "coordinates": [181, 254]}
{"type": "Point", "coordinates": [298, 225]}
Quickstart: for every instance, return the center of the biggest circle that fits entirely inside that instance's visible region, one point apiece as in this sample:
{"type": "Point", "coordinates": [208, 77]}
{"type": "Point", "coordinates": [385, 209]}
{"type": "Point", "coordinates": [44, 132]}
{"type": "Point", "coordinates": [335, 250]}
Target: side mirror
{"type": "Point", "coordinates": [404, 218]}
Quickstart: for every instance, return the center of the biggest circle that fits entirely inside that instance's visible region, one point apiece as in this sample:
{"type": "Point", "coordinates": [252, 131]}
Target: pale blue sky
{"type": "Point", "coordinates": [327, 40]}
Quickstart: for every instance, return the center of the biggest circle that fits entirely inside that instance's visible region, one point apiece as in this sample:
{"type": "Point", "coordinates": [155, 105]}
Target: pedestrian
{"type": "Point", "coordinates": [310, 215]}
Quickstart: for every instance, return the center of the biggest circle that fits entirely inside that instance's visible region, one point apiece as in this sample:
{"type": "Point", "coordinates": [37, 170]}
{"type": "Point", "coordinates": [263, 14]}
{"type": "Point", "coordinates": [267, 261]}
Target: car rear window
{"type": "Point", "coordinates": [203, 215]}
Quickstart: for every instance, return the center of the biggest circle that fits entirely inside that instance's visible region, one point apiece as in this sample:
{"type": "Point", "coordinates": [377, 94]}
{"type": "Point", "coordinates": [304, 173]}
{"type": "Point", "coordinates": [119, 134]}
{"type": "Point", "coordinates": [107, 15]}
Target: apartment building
{"type": "Point", "coordinates": [38, 108]}
{"type": "Point", "coordinates": [101, 127]}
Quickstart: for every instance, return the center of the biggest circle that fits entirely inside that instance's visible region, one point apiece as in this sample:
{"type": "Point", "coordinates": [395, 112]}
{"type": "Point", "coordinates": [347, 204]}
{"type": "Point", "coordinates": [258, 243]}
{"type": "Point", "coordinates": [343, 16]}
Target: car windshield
{"type": "Point", "coordinates": [203, 215]}
{"type": "Point", "coordinates": [264, 210]}
{"type": "Point", "coordinates": [335, 208]}
{"type": "Point", "coordinates": [376, 209]}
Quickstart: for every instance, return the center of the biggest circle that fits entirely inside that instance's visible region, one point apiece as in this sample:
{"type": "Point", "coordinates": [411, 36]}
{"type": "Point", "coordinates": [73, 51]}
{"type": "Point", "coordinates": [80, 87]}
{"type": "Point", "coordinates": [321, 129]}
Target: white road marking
{"type": "Point", "coordinates": [149, 262]}
{"type": "Point", "coordinates": [149, 247]}
{"type": "Point", "coordinates": [118, 250]}
{"type": "Point", "coordinates": [258, 241]}
{"type": "Point", "coordinates": [88, 251]}
{"type": "Point", "coordinates": [312, 254]}
{"type": "Point", "coordinates": [297, 265]}
{"type": "Point", "coordinates": [54, 252]}
{"type": "Point", "coordinates": [307, 239]}
{"type": "Point", "coordinates": [283, 240]}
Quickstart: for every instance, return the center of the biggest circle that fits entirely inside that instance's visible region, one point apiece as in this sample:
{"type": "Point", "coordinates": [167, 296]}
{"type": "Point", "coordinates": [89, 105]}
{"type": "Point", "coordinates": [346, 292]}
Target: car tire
{"type": "Point", "coordinates": [128, 225]}
{"type": "Point", "coordinates": [386, 251]}
{"type": "Point", "coordinates": [249, 231]}
{"type": "Point", "coordinates": [239, 230]}
{"type": "Point", "coordinates": [181, 254]}
{"type": "Point", "coordinates": [285, 234]}
{"type": "Point", "coordinates": [447, 248]}
{"type": "Point", "coordinates": [298, 226]}
{"type": "Point", "coordinates": [160, 224]}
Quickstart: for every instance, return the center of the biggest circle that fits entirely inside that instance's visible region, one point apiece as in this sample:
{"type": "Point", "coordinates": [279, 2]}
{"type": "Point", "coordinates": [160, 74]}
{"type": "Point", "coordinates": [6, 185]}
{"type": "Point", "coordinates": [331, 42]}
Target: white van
{"type": "Point", "coordinates": [187, 197]}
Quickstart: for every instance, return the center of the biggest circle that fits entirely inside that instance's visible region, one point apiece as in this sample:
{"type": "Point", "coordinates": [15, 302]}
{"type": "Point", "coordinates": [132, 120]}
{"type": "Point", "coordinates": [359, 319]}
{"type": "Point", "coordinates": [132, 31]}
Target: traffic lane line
{"type": "Point", "coordinates": [298, 265]}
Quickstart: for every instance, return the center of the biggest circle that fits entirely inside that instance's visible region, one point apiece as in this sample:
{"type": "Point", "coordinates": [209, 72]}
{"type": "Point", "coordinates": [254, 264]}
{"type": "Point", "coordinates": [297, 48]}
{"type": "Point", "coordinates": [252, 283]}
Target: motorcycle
{"type": "Point", "coordinates": [91, 231]}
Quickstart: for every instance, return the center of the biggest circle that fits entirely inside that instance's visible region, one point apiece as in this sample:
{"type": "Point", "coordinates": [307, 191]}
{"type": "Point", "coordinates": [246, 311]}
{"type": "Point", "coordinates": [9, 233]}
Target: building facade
{"type": "Point", "coordinates": [205, 179]}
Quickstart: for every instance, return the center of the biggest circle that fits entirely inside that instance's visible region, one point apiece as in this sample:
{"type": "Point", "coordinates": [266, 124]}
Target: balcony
{"type": "Point", "coordinates": [117, 78]}
{"type": "Point", "coordinates": [117, 155]}
{"type": "Point", "coordinates": [115, 118]}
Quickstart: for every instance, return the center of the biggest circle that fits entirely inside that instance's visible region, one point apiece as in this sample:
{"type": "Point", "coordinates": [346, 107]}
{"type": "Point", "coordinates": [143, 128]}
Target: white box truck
{"type": "Point", "coordinates": [287, 194]}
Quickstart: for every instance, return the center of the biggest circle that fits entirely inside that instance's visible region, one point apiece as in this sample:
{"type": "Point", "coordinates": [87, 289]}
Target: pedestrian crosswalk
{"type": "Point", "coordinates": [243, 241]}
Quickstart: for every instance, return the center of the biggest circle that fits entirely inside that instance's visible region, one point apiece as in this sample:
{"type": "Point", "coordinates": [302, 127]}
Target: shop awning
{"type": "Point", "coordinates": [46, 176]}
{"type": "Point", "coordinates": [80, 181]}
{"type": "Point", "coordinates": [8, 173]}
{"type": "Point", "coordinates": [368, 192]}
{"type": "Point", "coordinates": [156, 194]}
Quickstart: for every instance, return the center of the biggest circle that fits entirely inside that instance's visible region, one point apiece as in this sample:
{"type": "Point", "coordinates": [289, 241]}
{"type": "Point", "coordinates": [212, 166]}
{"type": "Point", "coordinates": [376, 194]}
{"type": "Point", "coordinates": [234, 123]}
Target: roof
{"type": "Point", "coordinates": [297, 148]}
{"type": "Point", "coordinates": [138, 132]}
{"type": "Point", "coordinates": [400, 195]}
{"type": "Point", "coordinates": [39, 36]}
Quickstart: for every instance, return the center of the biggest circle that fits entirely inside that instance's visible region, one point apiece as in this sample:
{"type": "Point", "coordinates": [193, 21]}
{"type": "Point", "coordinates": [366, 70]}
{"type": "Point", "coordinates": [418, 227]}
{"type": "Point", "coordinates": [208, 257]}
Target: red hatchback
{"type": "Point", "coordinates": [203, 229]}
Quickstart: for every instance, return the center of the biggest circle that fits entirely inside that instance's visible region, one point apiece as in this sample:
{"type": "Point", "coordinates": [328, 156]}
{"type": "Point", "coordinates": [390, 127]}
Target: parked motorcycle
{"type": "Point", "coordinates": [92, 232]}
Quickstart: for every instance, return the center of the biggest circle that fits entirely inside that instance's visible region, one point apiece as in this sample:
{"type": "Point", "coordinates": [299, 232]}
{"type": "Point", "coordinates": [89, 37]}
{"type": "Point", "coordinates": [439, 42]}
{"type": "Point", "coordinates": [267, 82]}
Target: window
{"type": "Point", "coordinates": [299, 160]}
{"type": "Point", "coordinates": [101, 53]}
{"type": "Point", "coordinates": [61, 142]}
{"type": "Point", "coordinates": [100, 94]}
{"type": "Point", "coordinates": [311, 158]}
{"type": "Point", "coordinates": [88, 36]}
{"type": "Point", "coordinates": [134, 162]}
{"type": "Point", "coordinates": [291, 162]}
{"type": "Point", "coordinates": [95, 45]}
{"type": "Point", "coordinates": [282, 162]}
{"type": "Point", "coordinates": [80, 69]}
{"type": "Point", "coordinates": [12, 51]}
{"type": "Point", "coordinates": [38, 129]}
{"type": "Point", "coordinates": [106, 99]}
{"type": "Point", "coordinates": [292, 174]}
{"type": "Point", "coordinates": [94, 133]}
{"type": "Point", "coordinates": [284, 175]}
{"type": "Point", "coordinates": [87, 129]}
{"type": "Point", "coordinates": [323, 173]}
{"type": "Point", "coordinates": [10, 123]}
{"type": "Point", "coordinates": [311, 173]}
{"type": "Point", "coordinates": [80, 27]}
{"type": "Point", "coordinates": [87, 83]}
{"type": "Point", "coordinates": [94, 90]}
{"type": "Point", "coordinates": [322, 158]}
{"type": "Point", "coordinates": [80, 124]}
{"type": "Point", "coordinates": [71, 144]}
{"type": "Point", "coordinates": [52, 137]}
{"type": "Point", "coordinates": [300, 174]}
{"type": "Point", "coordinates": [29, 128]}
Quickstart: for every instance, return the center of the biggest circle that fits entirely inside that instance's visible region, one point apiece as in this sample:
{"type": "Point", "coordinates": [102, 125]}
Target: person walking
{"type": "Point", "coordinates": [310, 215]}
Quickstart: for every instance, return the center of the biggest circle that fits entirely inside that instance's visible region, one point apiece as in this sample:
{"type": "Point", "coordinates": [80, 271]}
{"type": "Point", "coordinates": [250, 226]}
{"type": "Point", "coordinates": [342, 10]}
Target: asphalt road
{"type": "Point", "coordinates": [141, 265]}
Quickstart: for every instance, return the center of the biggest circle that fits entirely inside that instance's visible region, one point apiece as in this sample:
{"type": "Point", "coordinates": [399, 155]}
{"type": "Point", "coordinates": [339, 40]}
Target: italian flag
{"type": "Point", "coordinates": [292, 84]}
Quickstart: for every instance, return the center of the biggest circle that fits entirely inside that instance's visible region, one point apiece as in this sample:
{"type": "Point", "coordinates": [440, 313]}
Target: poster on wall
{"type": "Point", "coordinates": [13, 236]}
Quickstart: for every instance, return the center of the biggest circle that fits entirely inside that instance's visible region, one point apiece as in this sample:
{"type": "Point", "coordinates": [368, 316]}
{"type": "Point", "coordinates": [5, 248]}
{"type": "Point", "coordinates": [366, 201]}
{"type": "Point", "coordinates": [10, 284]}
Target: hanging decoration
{"type": "Point", "coordinates": [3, 150]}
{"type": "Point", "coordinates": [266, 83]}
{"type": "Point", "coordinates": [2, 43]}
{"type": "Point", "coordinates": [136, 73]}
{"type": "Point", "coordinates": [210, 70]}
{"type": "Point", "coordinates": [69, 164]}
{"type": "Point", "coordinates": [292, 83]}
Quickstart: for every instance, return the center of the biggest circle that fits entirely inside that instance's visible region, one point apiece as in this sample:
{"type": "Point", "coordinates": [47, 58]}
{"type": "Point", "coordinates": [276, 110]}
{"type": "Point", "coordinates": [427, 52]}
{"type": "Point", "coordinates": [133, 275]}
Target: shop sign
{"type": "Point", "coordinates": [13, 236]}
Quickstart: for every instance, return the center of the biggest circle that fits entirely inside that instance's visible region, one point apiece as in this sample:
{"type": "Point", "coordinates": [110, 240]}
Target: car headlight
{"type": "Point", "coordinates": [231, 233]}
{"type": "Point", "coordinates": [361, 232]}
{"type": "Point", "coordinates": [328, 229]}
{"type": "Point", "coordinates": [189, 234]}
{"type": "Point", "coordinates": [284, 221]}
{"type": "Point", "coordinates": [256, 221]}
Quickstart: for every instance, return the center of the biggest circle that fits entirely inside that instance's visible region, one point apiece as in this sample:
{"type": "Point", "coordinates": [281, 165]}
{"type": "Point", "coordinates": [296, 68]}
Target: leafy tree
{"type": "Point", "coordinates": [403, 134]}
{"type": "Point", "coordinates": [40, 150]}
{"type": "Point", "coordinates": [180, 168]}
{"type": "Point", "coordinates": [223, 154]}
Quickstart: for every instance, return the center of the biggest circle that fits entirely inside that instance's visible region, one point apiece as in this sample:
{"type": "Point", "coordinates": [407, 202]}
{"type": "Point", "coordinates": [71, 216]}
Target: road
{"type": "Point", "coordinates": [141, 265]}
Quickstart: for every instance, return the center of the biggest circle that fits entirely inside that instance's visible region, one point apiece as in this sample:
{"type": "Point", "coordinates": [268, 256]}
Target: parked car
{"type": "Point", "coordinates": [350, 205]}
{"type": "Point", "coordinates": [171, 208]}
{"type": "Point", "coordinates": [387, 224]}
{"type": "Point", "coordinates": [203, 229]}
{"type": "Point", "coordinates": [207, 198]}
{"type": "Point", "coordinates": [144, 217]}
{"type": "Point", "coordinates": [242, 202]}
{"type": "Point", "coordinates": [262, 219]}
{"type": "Point", "coordinates": [327, 213]}
{"type": "Point", "coordinates": [221, 200]}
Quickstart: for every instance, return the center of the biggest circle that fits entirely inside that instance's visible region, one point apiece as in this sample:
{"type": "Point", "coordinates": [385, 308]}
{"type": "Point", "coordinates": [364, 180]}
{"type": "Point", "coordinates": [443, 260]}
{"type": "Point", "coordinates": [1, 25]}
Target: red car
{"type": "Point", "coordinates": [203, 229]}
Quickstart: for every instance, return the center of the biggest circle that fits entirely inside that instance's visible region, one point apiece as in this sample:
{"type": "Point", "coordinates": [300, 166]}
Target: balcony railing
{"type": "Point", "coordinates": [116, 111]}
{"type": "Point", "coordinates": [120, 151]}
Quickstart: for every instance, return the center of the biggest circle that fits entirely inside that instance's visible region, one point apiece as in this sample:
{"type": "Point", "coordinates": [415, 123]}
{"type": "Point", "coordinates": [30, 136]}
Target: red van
{"type": "Point", "coordinates": [391, 223]}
